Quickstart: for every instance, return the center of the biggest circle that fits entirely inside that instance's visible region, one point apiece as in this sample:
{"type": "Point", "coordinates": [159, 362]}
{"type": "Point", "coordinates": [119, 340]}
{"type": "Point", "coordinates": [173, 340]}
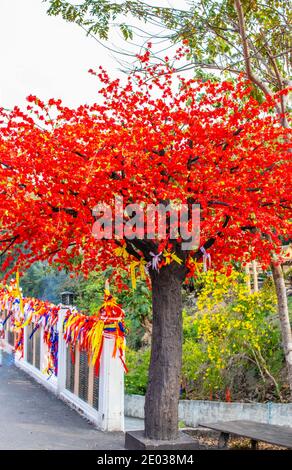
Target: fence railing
{"type": "Point", "coordinates": [100, 398]}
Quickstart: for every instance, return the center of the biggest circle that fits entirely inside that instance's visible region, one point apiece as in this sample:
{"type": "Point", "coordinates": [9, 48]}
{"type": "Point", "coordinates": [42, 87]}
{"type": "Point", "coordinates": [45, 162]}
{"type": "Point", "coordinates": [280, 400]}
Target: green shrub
{"type": "Point", "coordinates": [231, 342]}
{"type": "Point", "coordinates": [136, 379]}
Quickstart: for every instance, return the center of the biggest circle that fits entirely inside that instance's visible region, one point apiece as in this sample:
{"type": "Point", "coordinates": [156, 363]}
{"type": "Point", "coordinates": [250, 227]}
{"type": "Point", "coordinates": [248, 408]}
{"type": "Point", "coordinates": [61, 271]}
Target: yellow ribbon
{"type": "Point", "coordinates": [142, 263]}
{"type": "Point", "coordinates": [137, 264]}
{"type": "Point", "coordinates": [110, 302]}
{"type": "Point", "coordinates": [119, 344]}
{"type": "Point", "coordinates": [171, 256]}
{"type": "Point", "coordinates": [27, 322]}
{"type": "Point", "coordinates": [133, 273]}
{"type": "Point", "coordinates": [96, 340]}
{"type": "Point", "coordinates": [121, 251]}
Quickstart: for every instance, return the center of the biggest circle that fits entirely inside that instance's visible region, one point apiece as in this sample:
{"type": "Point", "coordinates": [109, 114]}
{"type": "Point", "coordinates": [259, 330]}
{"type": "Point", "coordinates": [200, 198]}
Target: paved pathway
{"type": "Point", "coordinates": [33, 418]}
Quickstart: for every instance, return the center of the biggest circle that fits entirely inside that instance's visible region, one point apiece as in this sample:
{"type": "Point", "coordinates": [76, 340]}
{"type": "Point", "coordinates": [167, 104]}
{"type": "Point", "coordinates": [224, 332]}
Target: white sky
{"type": "Point", "coordinates": [48, 57]}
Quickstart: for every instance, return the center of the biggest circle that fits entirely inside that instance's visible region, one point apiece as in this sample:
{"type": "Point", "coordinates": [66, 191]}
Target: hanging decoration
{"type": "Point", "coordinates": [164, 257]}
{"type": "Point", "coordinates": [141, 265]}
{"type": "Point", "coordinates": [206, 259]}
{"type": "Point", "coordinates": [121, 251]}
{"type": "Point", "coordinates": [22, 312]}
{"type": "Point", "coordinates": [171, 256]}
{"type": "Point", "coordinates": [88, 333]}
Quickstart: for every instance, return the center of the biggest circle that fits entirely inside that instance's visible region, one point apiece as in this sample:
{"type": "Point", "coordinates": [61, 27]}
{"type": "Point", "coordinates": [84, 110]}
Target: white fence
{"type": "Point", "coordinates": [99, 398]}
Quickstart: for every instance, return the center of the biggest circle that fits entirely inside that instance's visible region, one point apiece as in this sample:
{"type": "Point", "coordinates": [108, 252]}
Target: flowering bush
{"type": "Point", "coordinates": [231, 343]}
{"type": "Point", "coordinates": [234, 332]}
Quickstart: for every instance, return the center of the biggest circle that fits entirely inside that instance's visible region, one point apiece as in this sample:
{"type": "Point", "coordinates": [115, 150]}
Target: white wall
{"type": "Point", "coordinates": [194, 412]}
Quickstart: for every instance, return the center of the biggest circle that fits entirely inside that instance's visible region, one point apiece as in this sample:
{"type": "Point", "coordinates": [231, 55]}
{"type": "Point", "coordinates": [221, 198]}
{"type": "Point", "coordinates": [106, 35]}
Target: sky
{"type": "Point", "coordinates": [48, 57]}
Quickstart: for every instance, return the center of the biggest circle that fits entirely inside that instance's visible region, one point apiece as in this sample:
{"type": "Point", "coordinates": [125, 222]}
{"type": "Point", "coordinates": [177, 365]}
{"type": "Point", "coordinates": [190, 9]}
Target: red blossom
{"type": "Point", "coordinates": [206, 143]}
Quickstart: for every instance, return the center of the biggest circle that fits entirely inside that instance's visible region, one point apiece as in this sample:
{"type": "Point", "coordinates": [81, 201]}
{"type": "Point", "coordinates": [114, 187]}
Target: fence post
{"type": "Point", "coordinates": [111, 389]}
{"type": "Point", "coordinates": [25, 341]}
{"type": "Point", "coordinates": [61, 352]}
{"type": "Point", "coordinates": [43, 349]}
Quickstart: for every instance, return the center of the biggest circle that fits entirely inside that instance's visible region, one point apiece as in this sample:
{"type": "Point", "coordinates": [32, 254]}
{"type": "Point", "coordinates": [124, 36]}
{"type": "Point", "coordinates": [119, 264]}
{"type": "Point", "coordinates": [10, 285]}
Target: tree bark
{"type": "Point", "coordinates": [247, 272]}
{"type": "Point", "coordinates": [161, 403]}
{"type": "Point", "coordinates": [255, 276]}
{"type": "Point", "coordinates": [284, 318]}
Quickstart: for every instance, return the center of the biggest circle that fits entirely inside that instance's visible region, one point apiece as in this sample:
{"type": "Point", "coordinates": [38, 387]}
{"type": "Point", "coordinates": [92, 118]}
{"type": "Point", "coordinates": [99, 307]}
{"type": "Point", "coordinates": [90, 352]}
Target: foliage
{"type": "Point", "coordinates": [89, 293]}
{"type": "Point", "coordinates": [290, 306]}
{"type": "Point", "coordinates": [231, 342]}
{"type": "Point", "coordinates": [288, 275]}
{"type": "Point", "coordinates": [137, 378]}
{"type": "Point", "coordinates": [137, 304]}
{"type": "Point", "coordinates": [43, 282]}
{"type": "Point", "coordinates": [235, 329]}
{"type": "Point", "coordinates": [210, 27]}
{"type": "Point", "coordinates": [32, 281]}
{"type": "Point", "coordinates": [193, 143]}
{"type": "Point", "coordinates": [96, 15]}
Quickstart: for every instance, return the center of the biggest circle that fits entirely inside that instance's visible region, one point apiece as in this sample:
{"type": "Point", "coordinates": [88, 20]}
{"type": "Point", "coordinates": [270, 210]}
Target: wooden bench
{"type": "Point", "coordinates": [270, 433]}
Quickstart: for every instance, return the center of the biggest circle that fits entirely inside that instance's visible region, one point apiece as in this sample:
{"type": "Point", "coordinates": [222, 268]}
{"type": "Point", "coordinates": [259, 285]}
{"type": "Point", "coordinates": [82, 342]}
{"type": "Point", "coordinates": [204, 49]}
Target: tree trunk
{"type": "Point", "coordinates": [247, 272]}
{"type": "Point", "coordinates": [284, 318]}
{"type": "Point", "coordinates": [255, 276]}
{"type": "Point", "coordinates": [161, 404]}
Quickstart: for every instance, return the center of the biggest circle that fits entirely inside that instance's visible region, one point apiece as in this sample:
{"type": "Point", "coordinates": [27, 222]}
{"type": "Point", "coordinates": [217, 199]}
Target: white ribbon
{"type": "Point", "coordinates": [155, 261]}
{"type": "Point", "coordinates": [206, 259]}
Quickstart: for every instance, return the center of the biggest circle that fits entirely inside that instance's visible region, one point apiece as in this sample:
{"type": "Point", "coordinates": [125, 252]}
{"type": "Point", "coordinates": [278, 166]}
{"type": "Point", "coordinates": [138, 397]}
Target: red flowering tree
{"type": "Point", "coordinates": [153, 140]}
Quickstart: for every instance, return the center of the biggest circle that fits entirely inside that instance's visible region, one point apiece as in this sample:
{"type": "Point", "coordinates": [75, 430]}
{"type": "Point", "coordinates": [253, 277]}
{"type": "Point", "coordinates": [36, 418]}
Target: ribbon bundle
{"type": "Point", "coordinates": [89, 332]}
{"type": "Point", "coordinates": [51, 339]}
{"type": "Point", "coordinates": [23, 312]}
{"type": "Point", "coordinates": [86, 332]}
{"type": "Point", "coordinates": [163, 258]}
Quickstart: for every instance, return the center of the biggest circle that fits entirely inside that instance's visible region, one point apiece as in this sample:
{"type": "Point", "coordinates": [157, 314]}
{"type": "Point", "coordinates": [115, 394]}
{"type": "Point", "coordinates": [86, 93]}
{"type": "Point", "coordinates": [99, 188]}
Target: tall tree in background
{"type": "Point", "coordinates": [252, 37]}
{"type": "Point", "coordinates": [203, 143]}
{"type": "Point", "coordinates": [235, 36]}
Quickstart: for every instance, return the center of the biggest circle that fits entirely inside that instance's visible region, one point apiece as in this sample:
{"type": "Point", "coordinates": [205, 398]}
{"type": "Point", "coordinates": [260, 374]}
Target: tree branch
{"type": "Point", "coordinates": [13, 240]}
{"type": "Point", "coordinates": [246, 53]}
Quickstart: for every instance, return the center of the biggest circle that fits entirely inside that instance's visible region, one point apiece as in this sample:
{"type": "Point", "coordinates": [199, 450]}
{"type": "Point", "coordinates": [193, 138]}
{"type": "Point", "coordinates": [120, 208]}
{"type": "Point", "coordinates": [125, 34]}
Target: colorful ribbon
{"type": "Point", "coordinates": [87, 332]}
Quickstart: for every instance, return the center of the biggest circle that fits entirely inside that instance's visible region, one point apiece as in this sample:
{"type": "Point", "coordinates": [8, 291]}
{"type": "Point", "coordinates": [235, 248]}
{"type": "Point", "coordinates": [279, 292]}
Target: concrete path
{"type": "Point", "coordinates": [33, 418]}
